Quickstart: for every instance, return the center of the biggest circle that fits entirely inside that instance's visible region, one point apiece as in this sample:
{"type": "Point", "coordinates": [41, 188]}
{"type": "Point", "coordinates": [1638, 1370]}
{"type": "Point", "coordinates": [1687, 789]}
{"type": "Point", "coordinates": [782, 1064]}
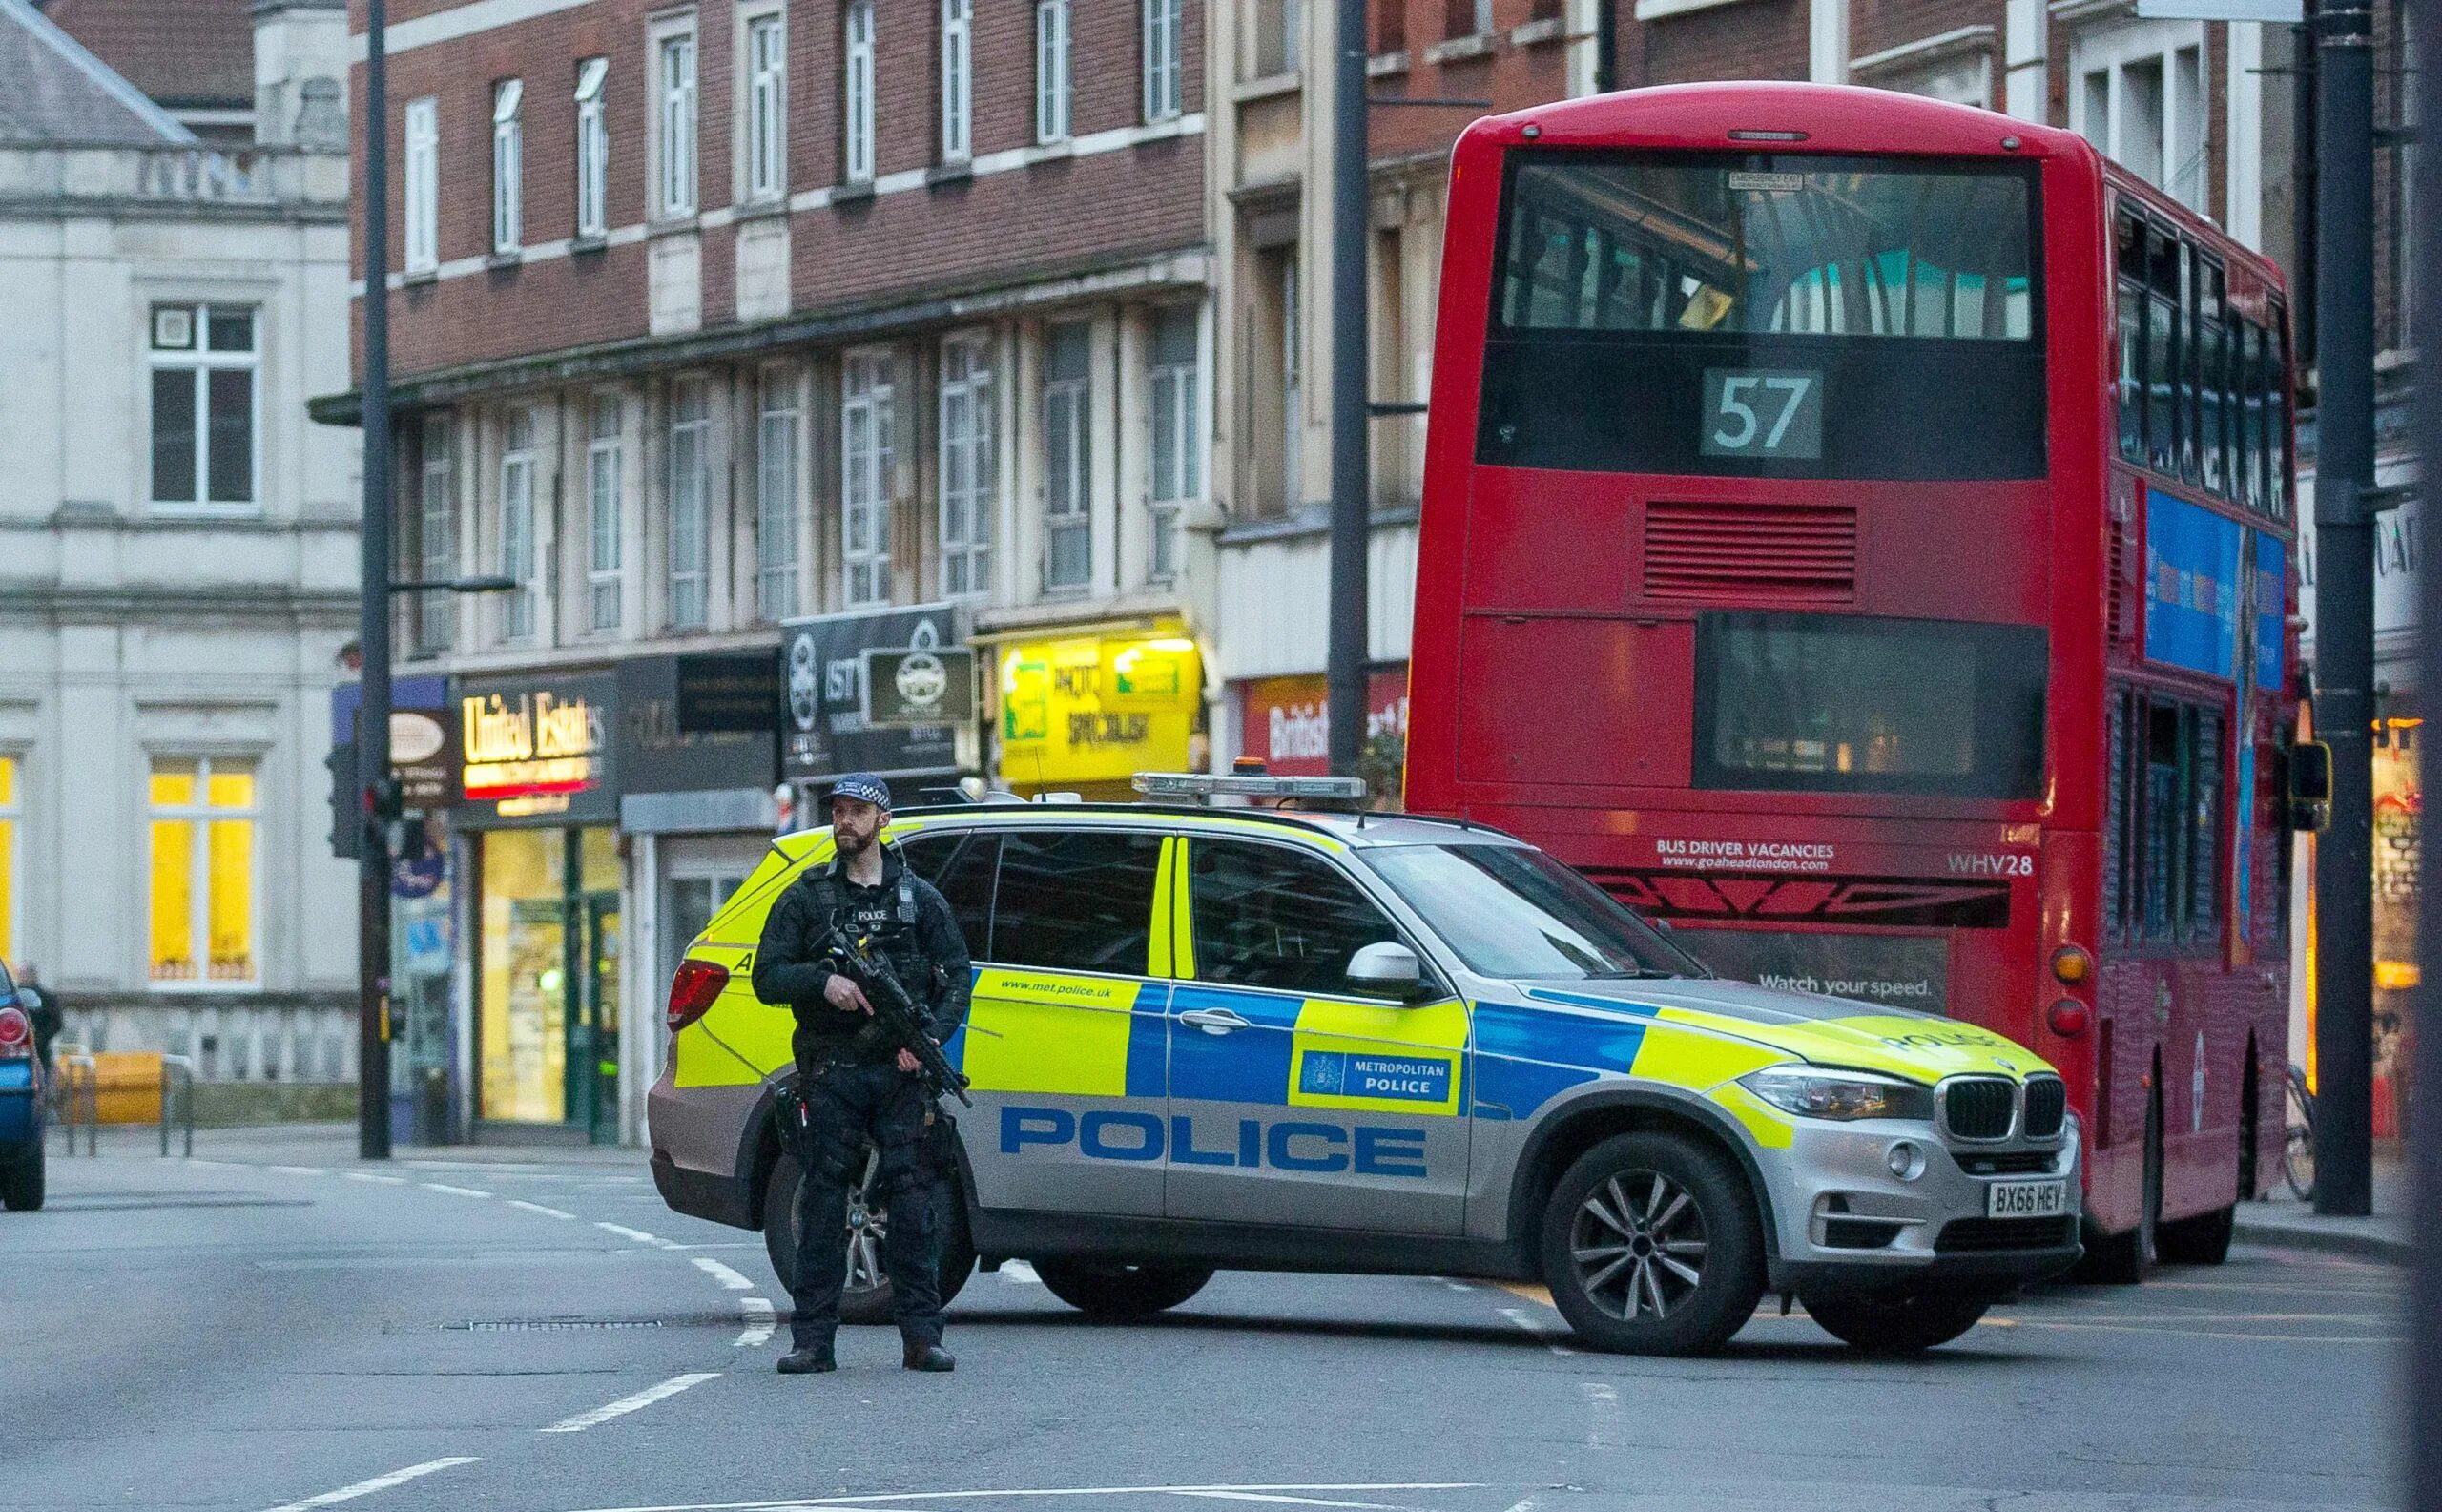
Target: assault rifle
{"type": "Point", "coordinates": [895, 1011]}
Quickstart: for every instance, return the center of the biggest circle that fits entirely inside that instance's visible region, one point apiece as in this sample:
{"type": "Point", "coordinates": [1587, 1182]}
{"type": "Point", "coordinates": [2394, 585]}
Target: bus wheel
{"type": "Point", "coordinates": [1109, 1289]}
{"type": "Point", "coordinates": [865, 1299]}
{"type": "Point", "coordinates": [2120, 1260]}
{"type": "Point", "coordinates": [1896, 1325]}
{"type": "Point", "coordinates": [1651, 1247]}
{"type": "Point", "coordinates": [2201, 1240]}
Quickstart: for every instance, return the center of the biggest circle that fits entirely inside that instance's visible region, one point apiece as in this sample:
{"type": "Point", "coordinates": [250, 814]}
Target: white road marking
{"type": "Point", "coordinates": [455, 1192]}
{"type": "Point", "coordinates": [759, 1322]}
{"type": "Point", "coordinates": [298, 1171]}
{"type": "Point", "coordinates": [723, 1273]}
{"type": "Point", "coordinates": [380, 1482]}
{"type": "Point", "coordinates": [878, 1498]}
{"type": "Point", "coordinates": [1518, 1316]}
{"type": "Point", "coordinates": [1527, 1505]}
{"type": "Point", "coordinates": [637, 1234]}
{"type": "Point", "coordinates": [1457, 1286]}
{"type": "Point", "coordinates": [1295, 1500]}
{"type": "Point", "coordinates": [376, 1180]}
{"type": "Point", "coordinates": [1021, 1273]}
{"type": "Point", "coordinates": [1602, 1414]}
{"type": "Point", "coordinates": [536, 1206]}
{"type": "Point", "coordinates": [627, 1404]}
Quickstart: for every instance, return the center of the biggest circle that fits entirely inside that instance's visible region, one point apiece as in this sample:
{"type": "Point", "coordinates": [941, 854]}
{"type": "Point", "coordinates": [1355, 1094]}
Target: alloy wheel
{"type": "Point", "coordinates": [1639, 1245]}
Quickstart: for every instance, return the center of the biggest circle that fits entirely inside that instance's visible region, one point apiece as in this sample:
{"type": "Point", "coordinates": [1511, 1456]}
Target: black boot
{"type": "Point", "coordinates": [928, 1356]}
{"type": "Point", "coordinates": [808, 1360]}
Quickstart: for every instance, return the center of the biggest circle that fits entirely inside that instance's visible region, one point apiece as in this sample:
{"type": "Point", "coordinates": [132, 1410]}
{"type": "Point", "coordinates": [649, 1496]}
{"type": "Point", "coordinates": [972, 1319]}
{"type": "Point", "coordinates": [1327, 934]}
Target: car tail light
{"type": "Point", "coordinates": [17, 1035]}
{"type": "Point", "coordinates": [693, 990]}
{"type": "Point", "coordinates": [2069, 1018]}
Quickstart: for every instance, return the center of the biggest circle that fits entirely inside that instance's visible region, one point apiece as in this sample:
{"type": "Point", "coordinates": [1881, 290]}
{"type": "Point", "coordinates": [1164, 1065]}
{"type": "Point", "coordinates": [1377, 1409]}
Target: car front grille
{"type": "Point", "coordinates": [2009, 1163]}
{"type": "Point", "coordinates": [1979, 1107]}
{"type": "Point", "coordinates": [1964, 1234]}
{"type": "Point", "coordinates": [2047, 1104]}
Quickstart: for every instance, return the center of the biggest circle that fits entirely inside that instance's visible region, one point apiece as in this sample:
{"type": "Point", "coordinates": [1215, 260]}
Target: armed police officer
{"type": "Point", "coordinates": [858, 1087]}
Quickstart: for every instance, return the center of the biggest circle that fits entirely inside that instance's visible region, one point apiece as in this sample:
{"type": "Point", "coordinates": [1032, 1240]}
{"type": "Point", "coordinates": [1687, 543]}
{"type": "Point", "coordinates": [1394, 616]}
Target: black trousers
{"type": "Point", "coordinates": [848, 1106]}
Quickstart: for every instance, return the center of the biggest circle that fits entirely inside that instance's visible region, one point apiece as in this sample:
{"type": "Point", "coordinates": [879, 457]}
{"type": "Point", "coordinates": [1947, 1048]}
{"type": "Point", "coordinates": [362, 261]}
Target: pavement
{"type": "Point", "coordinates": [2281, 1219]}
{"type": "Point", "coordinates": [274, 1326]}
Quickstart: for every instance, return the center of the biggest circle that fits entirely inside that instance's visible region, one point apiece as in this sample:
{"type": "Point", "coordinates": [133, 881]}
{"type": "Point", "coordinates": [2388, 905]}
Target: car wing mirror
{"type": "Point", "coordinates": [1386, 969]}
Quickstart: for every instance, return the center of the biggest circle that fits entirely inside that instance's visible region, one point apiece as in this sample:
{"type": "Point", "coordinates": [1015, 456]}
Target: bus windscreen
{"type": "Point", "coordinates": [1773, 316]}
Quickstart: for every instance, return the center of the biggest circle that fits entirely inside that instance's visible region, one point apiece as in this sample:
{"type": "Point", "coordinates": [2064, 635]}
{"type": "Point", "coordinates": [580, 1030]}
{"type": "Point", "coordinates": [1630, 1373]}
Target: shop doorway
{"type": "Point", "coordinates": [551, 952]}
{"type": "Point", "coordinates": [599, 1029]}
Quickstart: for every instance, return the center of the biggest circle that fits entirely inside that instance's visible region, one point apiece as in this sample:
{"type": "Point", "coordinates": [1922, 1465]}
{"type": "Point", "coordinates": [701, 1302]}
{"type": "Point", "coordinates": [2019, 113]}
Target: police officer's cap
{"type": "Point", "coordinates": [864, 787]}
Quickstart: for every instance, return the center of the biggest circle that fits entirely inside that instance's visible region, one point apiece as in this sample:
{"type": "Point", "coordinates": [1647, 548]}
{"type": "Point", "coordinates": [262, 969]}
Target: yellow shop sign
{"type": "Point", "coordinates": [1097, 708]}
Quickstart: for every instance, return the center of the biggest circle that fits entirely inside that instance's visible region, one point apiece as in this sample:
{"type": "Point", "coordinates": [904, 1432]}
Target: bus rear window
{"type": "Point", "coordinates": [1767, 316]}
{"type": "Point", "coordinates": [1851, 704]}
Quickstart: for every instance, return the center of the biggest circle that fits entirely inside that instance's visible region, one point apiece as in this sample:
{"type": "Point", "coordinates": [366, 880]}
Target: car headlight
{"type": "Point", "coordinates": [1811, 1092]}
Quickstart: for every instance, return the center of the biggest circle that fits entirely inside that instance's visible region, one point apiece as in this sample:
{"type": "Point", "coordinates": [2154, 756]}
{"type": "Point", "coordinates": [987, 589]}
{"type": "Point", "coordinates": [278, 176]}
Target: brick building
{"type": "Point", "coordinates": [709, 316]}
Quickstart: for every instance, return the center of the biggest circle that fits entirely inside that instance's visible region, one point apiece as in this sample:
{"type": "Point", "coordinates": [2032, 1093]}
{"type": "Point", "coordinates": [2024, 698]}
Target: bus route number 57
{"type": "Point", "coordinates": [1761, 412]}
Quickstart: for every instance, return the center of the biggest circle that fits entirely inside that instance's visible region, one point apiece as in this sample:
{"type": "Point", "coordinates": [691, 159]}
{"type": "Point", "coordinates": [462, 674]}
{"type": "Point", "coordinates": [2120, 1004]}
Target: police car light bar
{"type": "Point", "coordinates": [1204, 785]}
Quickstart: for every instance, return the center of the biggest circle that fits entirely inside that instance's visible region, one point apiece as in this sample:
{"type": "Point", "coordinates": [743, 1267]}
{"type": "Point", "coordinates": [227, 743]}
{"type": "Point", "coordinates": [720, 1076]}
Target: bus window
{"type": "Point", "coordinates": [2276, 416]}
{"type": "Point", "coordinates": [2190, 297]}
{"type": "Point", "coordinates": [2251, 446]}
{"type": "Point", "coordinates": [2179, 826]}
{"type": "Point", "coordinates": [2163, 870]}
{"type": "Point", "coordinates": [2161, 343]}
{"type": "Point", "coordinates": [2204, 825]}
{"type": "Point", "coordinates": [2234, 382]}
{"type": "Point", "coordinates": [2116, 848]}
{"type": "Point", "coordinates": [1851, 704]}
{"type": "Point", "coordinates": [1761, 315]}
{"type": "Point", "coordinates": [2130, 263]}
{"type": "Point", "coordinates": [2209, 380]}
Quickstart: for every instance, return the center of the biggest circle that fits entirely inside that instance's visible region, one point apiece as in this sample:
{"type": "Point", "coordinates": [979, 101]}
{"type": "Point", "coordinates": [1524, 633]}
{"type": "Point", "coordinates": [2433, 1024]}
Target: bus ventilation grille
{"type": "Point", "coordinates": [2047, 1101]}
{"type": "Point", "coordinates": [1775, 554]}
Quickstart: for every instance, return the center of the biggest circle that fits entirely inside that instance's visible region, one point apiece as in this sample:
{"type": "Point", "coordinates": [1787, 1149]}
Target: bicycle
{"type": "Point", "coordinates": [2298, 1153]}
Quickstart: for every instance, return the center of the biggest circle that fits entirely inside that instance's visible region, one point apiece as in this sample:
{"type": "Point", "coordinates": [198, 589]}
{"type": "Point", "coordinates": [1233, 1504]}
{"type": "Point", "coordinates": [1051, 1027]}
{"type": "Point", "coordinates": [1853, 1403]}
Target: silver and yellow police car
{"type": "Point", "coordinates": [1213, 1038]}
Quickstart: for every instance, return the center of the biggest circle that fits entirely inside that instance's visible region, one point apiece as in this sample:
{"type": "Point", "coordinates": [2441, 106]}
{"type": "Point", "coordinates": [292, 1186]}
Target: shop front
{"type": "Point", "coordinates": [538, 810]}
{"type": "Point", "coordinates": [1083, 712]}
{"type": "Point", "coordinates": [1285, 722]}
{"type": "Point", "coordinates": [891, 692]}
{"type": "Point", "coordinates": [699, 759]}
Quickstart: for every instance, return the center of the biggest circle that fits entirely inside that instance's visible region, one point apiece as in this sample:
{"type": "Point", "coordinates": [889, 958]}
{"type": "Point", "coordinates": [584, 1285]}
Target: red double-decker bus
{"type": "Point", "coordinates": [1859, 528]}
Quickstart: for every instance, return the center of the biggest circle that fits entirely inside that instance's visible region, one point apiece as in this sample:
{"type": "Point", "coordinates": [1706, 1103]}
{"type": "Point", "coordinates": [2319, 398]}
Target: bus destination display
{"type": "Point", "coordinates": [1761, 412]}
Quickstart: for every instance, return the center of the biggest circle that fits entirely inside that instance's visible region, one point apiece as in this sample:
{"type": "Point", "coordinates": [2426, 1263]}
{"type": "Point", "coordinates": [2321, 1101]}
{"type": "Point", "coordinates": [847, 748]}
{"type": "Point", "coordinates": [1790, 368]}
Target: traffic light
{"type": "Point", "coordinates": [348, 819]}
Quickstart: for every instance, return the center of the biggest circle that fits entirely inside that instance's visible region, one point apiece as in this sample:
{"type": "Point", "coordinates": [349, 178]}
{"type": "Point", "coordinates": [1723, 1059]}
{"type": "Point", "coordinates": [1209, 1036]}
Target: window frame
{"type": "Point", "coordinates": [958, 80]}
{"type": "Point", "coordinates": [592, 149]}
{"type": "Point", "coordinates": [519, 549]}
{"type": "Point", "coordinates": [967, 376]}
{"type": "Point", "coordinates": [605, 460]}
{"type": "Point", "coordinates": [201, 358]}
{"type": "Point", "coordinates": [2109, 52]}
{"type": "Point", "coordinates": [1068, 511]}
{"type": "Point", "coordinates": [1164, 56]}
{"type": "Point", "coordinates": [1053, 81]}
{"type": "Point", "coordinates": [1168, 496]}
{"type": "Point", "coordinates": [420, 185]}
{"type": "Point", "coordinates": [766, 103]}
{"type": "Point", "coordinates": [1183, 872]}
{"type": "Point", "coordinates": [436, 621]}
{"type": "Point", "coordinates": [694, 422]}
{"type": "Point", "coordinates": [779, 425]}
{"type": "Point", "coordinates": [199, 816]}
{"type": "Point", "coordinates": [868, 389]}
{"type": "Point", "coordinates": [856, 149]}
{"type": "Point", "coordinates": [678, 184]}
{"type": "Point", "coordinates": [508, 167]}
{"type": "Point", "coordinates": [1018, 834]}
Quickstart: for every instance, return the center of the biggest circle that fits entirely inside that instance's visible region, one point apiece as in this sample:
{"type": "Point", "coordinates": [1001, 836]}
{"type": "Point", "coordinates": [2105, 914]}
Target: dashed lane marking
{"type": "Point", "coordinates": [455, 1192]}
{"type": "Point", "coordinates": [879, 1499]}
{"type": "Point", "coordinates": [376, 1179]}
{"type": "Point", "coordinates": [761, 1320]}
{"type": "Point", "coordinates": [1603, 1415]}
{"type": "Point", "coordinates": [536, 1206]}
{"type": "Point", "coordinates": [298, 1171]}
{"type": "Point", "coordinates": [1518, 1316]}
{"type": "Point", "coordinates": [627, 1404]}
{"type": "Point", "coordinates": [638, 1235]}
{"type": "Point", "coordinates": [722, 1273]}
{"type": "Point", "coordinates": [1020, 1273]}
{"type": "Point", "coordinates": [380, 1482]}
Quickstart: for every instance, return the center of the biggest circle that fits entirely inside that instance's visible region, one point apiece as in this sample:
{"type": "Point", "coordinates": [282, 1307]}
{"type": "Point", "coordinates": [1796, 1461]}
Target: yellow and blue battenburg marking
{"type": "Point", "coordinates": [1077, 1036]}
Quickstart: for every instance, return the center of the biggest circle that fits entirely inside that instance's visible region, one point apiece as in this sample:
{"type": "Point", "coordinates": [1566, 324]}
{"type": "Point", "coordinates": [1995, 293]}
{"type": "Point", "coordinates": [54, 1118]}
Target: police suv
{"type": "Point", "coordinates": [1260, 1038]}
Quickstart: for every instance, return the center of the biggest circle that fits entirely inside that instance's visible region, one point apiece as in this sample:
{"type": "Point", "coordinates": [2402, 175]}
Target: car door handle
{"type": "Point", "coordinates": [1214, 1021]}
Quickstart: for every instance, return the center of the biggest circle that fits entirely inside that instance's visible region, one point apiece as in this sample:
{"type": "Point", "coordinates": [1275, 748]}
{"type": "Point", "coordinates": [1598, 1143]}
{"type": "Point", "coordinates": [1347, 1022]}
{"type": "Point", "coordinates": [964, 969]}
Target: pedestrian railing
{"type": "Point", "coordinates": [76, 1090]}
{"type": "Point", "coordinates": [179, 1072]}
{"type": "Point", "coordinates": [89, 1089]}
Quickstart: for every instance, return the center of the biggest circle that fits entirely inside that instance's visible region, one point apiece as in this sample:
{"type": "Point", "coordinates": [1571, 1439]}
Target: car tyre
{"type": "Point", "coordinates": [1651, 1246]}
{"type": "Point", "coordinates": [1905, 1324]}
{"type": "Point", "coordinates": [866, 1297]}
{"type": "Point", "coordinates": [1116, 1289]}
{"type": "Point", "coordinates": [2120, 1260]}
{"type": "Point", "coordinates": [21, 1183]}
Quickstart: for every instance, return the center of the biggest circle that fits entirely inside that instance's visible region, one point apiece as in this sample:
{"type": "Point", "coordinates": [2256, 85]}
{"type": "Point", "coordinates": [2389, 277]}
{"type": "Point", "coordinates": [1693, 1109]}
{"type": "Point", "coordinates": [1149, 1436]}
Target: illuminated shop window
{"type": "Point", "coordinates": [203, 816]}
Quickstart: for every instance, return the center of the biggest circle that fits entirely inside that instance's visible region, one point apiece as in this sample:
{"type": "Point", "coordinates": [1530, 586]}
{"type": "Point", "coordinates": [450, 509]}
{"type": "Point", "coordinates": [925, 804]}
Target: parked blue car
{"type": "Point", "coordinates": [21, 1099]}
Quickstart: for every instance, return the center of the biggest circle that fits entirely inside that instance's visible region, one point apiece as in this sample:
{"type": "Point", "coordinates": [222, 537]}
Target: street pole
{"type": "Point", "coordinates": [373, 632]}
{"type": "Point", "coordinates": [1352, 486]}
{"type": "Point", "coordinates": [2344, 605]}
{"type": "Point", "coordinates": [2424, 1395]}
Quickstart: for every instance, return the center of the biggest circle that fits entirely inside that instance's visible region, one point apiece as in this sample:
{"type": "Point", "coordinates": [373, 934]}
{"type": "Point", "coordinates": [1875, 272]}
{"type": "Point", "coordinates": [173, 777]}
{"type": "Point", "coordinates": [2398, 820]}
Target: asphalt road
{"type": "Point", "coordinates": [277, 1327]}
